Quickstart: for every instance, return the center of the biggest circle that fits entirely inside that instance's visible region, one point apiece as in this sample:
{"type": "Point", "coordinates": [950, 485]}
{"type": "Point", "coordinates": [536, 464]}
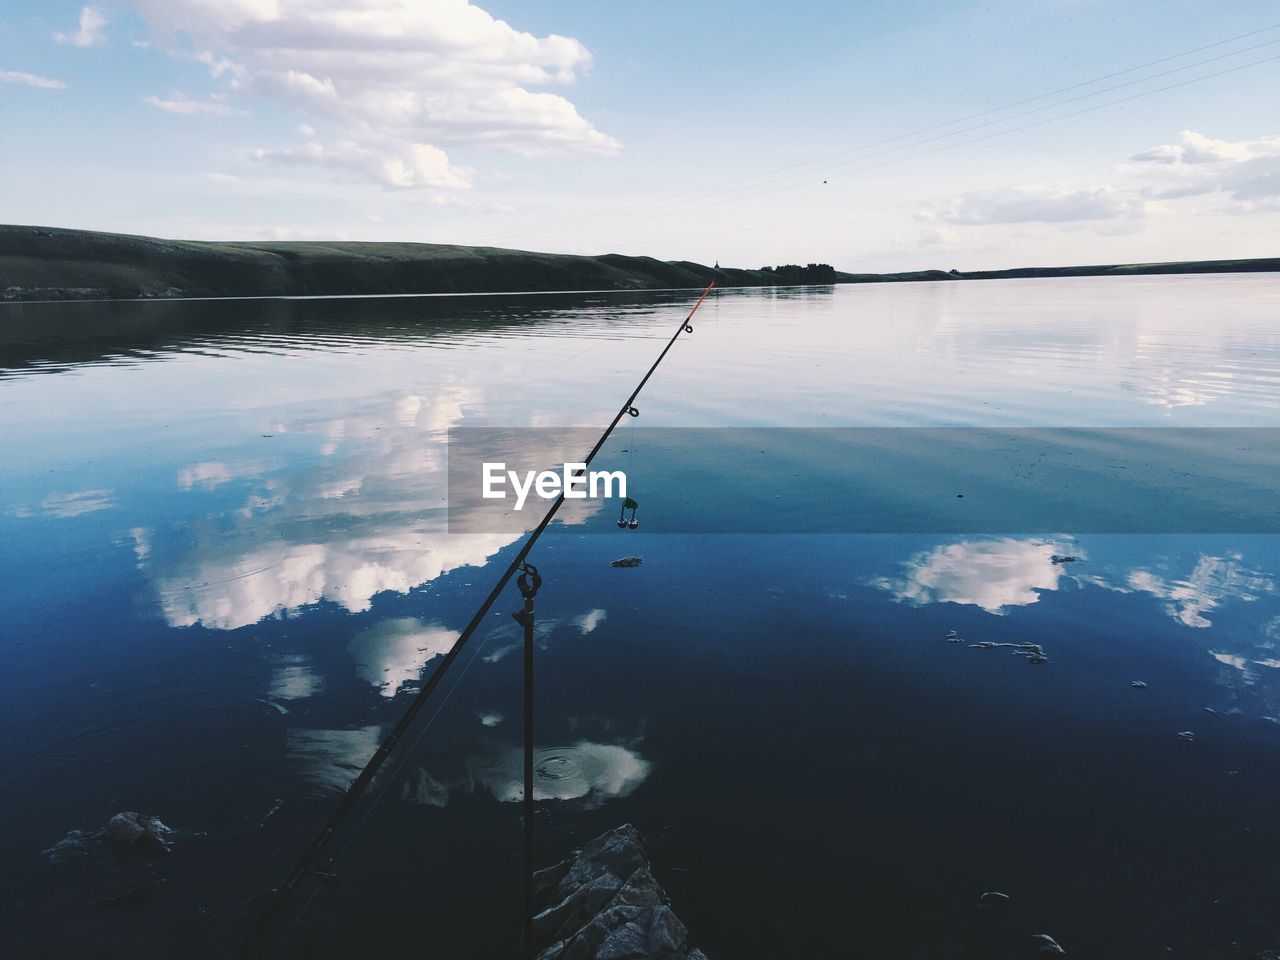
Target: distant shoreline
{"type": "Point", "coordinates": [49, 263]}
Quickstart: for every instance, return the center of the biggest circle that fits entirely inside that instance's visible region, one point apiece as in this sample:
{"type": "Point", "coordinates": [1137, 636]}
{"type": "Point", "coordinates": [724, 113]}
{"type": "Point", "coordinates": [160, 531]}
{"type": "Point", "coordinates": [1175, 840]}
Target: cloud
{"type": "Point", "coordinates": [1247, 171]}
{"type": "Point", "coordinates": [587, 622]}
{"type": "Point", "coordinates": [587, 771]}
{"type": "Point", "coordinates": [416, 165]}
{"type": "Point", "coordinates": [31, 80]}
{"type": "Point", "coordinates": [393, 84]}
{"type": "Point", "coordinates": [294, 541]}
{"type": "Point", "coordinates": [92, 21]}
{"type": "Point", "coordinates": [991, 574]}
{"type": "Point", "coordinates": [211, 474]}
{"type": "Point", "coordinates": [1197, 148]}
{"type": "Point", "coordinates": [1034, 204]}
{"type": "Point", "coordinates": [391, 654]}
{"type": "Point", "coordinates": [215, 106]}
{"type": "Point", "coordinates": [77, 503]}
{"type": "Point", "coordinates": [1213, 581]}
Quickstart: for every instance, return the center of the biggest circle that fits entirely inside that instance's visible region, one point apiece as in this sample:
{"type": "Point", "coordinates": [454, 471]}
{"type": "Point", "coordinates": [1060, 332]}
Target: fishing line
{"type": "Point", "coordinates": [280, 896]}
{"type": "Point", "coordinates": [390, 781]}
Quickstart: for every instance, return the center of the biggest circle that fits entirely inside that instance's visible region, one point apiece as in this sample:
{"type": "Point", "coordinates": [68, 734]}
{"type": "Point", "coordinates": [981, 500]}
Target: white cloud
{"type": "Point", "coordinates": [585, 770]}
{"type": "Point", "coordinates": [90, 33]}
{"type": "Point", "coordinates": [296, 542]}
{"type": "Point", "coordinates": [392, 653]}
{"type": "Point", "coordinates": [991, 574]}
{"type": "Point", "coordinates": [1035, 204]}
{"type": "Point", "coordinates": [74, 504]}
{"type": "Point", "coordinates": [416, 165]}
{"type": "Point", "coordinates": [399, 83]}
{"type": "Point", "coordinates": [1247, 171]}
{"type": "Point", "coordinates": [587, 622]}
{"type": "Point", "coordinates": [1213, 581]}
{"type": "Point", "coordinates": [211, 474]}
{"type": "Point", "coordinates": [214, 106]}
{"type": "Point", "coordinates": [1197, 148]}
{"type": "Point", "coordinates": [31, 80]}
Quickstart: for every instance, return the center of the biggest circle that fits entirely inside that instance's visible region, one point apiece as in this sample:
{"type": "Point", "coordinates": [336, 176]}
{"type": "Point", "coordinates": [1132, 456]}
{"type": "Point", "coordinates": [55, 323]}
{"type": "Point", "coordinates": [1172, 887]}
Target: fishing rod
{"type": "Point", "coordinates": [280, 896]}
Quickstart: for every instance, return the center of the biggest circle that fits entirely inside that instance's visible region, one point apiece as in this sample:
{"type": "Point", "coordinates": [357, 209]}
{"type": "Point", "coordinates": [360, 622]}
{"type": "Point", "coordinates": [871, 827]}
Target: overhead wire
{"type": "Point", "coordinates": [680, 203]}
{"type": "Point", "coordinates": [929, 129]}
{"type": "Point", "coordinates": [947, 146]}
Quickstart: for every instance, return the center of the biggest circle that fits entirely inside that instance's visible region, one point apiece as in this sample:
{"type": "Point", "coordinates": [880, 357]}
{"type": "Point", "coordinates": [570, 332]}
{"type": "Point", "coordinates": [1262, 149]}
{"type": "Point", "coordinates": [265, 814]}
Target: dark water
{"type": "Point", "coordinates": [225, 570]}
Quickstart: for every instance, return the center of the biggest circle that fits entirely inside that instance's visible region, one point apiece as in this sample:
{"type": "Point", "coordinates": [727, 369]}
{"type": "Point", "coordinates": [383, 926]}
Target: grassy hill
{"type": "Point", "coordinates": [39, 263]}
{"type": "Point", "coordinates": [47, 263]}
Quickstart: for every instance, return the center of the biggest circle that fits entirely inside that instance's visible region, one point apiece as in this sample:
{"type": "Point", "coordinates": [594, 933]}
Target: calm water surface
{"type": "Point", "coordinates": [226, 569]}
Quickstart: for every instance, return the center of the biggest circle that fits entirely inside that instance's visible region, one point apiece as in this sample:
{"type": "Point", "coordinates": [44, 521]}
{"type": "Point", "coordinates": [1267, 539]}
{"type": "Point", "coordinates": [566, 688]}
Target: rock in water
{"type": "Point", "coordinates": [605, 904]}
{"type": "Point", "coordinates": [627, 562]}
{"type": "Point", "coordinates": [129, 832]}
{"type": "Point", "coordinates": [125, 833]}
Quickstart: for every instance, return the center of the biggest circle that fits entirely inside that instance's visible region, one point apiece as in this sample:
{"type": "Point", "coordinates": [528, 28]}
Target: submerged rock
{"type": "Point", "coordinates": [1138, 684]}
{"type": "Point", "coordinates": [604, 903]}
{"type": "Point", "coordinates": [1186, 735]}
{"type": "Point", "coordinates": [627, 562]}
{"type": "Point", "coordinates": [126, 833]}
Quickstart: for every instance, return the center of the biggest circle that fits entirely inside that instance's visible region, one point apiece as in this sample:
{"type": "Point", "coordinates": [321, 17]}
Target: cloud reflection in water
{"type": "Point", "coordinates": [586, 771]}
{"type": "Point", "coordinates": [991, 574]}
{"type": "Point", "coordinates": [392, 653]}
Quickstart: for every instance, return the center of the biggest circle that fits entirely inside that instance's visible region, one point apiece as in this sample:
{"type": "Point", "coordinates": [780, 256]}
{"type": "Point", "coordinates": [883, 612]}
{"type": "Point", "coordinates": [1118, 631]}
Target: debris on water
{"type": "Point", "coordinates": [125, 833]}
{"type": "Point", "coordinates": [1049, 947]}
{"type": "Point", "coordinates": [993, 898]}
{"type": "Point", "coordinates": [275, 808]}
{"type": "Point", "coordinates": [1138, 684]}
{"type": "Point", "coordinates": [1063, 558]}
{"type": "Point", "coordinates": [627, 562]}
{"type": "Point", "coordinates": [1187, 735]}
{"type": "Point", "coordinates": [1032, 651]}
{"type": "Point", "coordinates": [1233, 712]}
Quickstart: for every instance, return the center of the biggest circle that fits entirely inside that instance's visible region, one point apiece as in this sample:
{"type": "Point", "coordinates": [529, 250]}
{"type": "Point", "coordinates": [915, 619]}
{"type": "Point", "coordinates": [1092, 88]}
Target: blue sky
{"type": "Point", "coordinates": [687, 130]}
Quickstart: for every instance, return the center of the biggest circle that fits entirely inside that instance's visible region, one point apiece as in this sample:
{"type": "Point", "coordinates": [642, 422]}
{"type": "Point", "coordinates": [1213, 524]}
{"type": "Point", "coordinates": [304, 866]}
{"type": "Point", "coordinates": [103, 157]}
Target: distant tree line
{"type": "Point", "coordinates": [810, 273]}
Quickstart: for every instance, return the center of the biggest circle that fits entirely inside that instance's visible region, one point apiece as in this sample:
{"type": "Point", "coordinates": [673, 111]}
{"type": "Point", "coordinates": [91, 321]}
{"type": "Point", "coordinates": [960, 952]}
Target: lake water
{"type": "Point", "coordinates": [226, 568]}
